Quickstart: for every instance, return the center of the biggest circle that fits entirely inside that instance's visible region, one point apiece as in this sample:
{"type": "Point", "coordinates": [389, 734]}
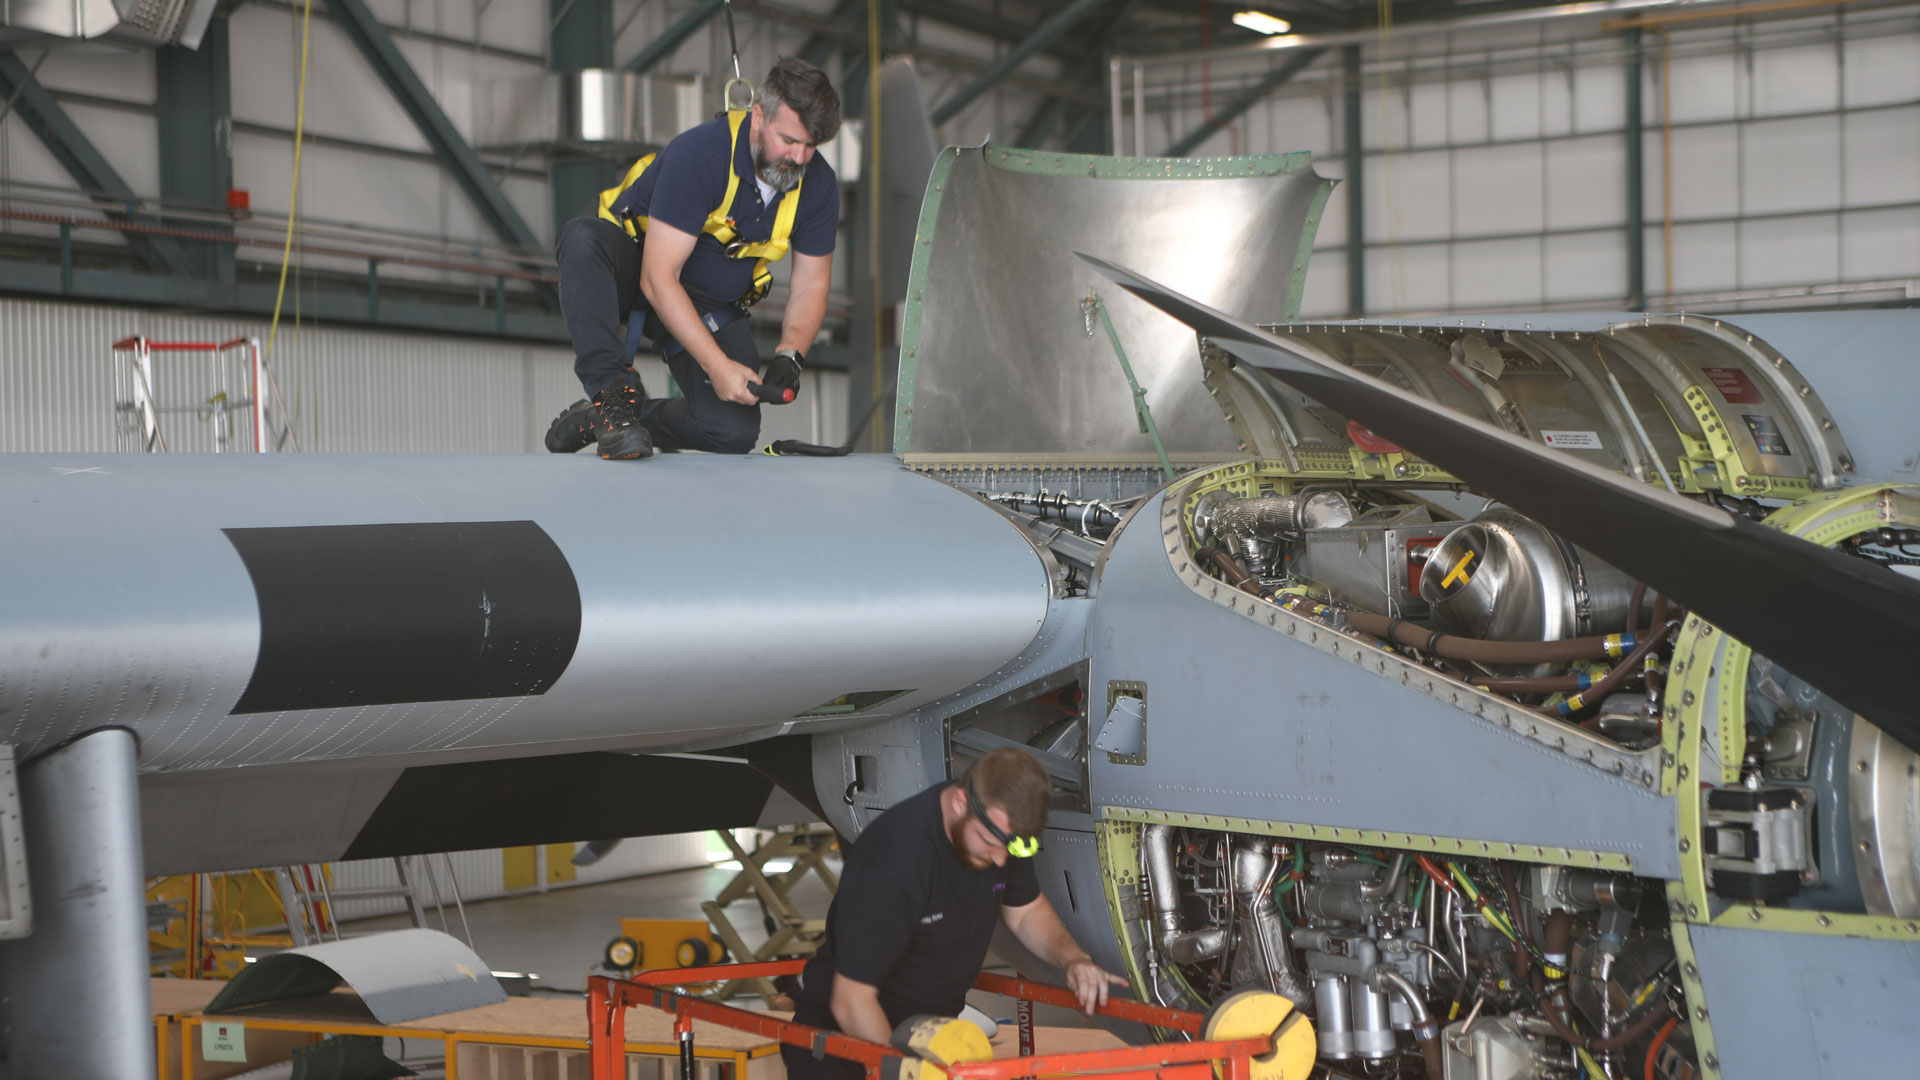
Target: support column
{"type": "Point", "coordinates": [196, 138]}
{"type": "Point", "coordinates": [581, 38]}
{"type": "Point", "coordinates": [1636, 181]}
{"type": "Point", "coordinates": [73, 995]}
{"type": "Point", "coordinates": [1356, 197]}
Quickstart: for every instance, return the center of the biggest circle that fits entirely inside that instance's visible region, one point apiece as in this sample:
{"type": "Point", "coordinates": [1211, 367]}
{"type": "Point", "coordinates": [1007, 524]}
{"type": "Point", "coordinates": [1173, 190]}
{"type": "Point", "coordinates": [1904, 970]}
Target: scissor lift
{"type": "Point", "coordinates": [1253, 1035]}
{"type": "Point", "coordinates": [789, 933]}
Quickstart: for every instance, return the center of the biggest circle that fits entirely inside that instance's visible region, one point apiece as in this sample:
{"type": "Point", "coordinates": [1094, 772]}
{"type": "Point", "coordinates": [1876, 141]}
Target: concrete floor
{"type": "Point", "coordinates": [561, 935]}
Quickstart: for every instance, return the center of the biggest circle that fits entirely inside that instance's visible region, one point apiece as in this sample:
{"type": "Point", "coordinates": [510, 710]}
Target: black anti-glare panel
{"type": "Point", "coordinates": [388, 614]}
{"type": "Point", "coordinates": [551, 800]}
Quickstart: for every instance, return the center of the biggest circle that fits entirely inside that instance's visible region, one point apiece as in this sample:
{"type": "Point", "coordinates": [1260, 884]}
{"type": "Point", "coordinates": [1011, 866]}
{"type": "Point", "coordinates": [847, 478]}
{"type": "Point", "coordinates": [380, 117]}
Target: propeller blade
{"type": "Point", "coordinates": [1843, 624]}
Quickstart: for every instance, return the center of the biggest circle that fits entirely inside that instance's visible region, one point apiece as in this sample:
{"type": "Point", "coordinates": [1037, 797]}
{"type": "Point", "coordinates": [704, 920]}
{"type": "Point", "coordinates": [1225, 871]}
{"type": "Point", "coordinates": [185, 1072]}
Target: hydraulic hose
{"type": "Point", "coordinates": [1651, 639]}
{"type": "Point", "coordinates": [1544, 684]}
{"type": "Point", "coordinates": [1550, 1007]}
{"type": "Point", "coordinates": [1237, 575]}
{"type": "Point", "coordinates": [1559, 939]}
{"type": "Point", "coordinates": [1482, 651]}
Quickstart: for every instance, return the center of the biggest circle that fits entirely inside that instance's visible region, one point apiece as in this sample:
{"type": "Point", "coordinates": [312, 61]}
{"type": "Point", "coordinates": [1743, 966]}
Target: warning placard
{"type": "Point", "coordinates": [1734, 385]}
{"type": "Point", "coordinates": [1572, 440]}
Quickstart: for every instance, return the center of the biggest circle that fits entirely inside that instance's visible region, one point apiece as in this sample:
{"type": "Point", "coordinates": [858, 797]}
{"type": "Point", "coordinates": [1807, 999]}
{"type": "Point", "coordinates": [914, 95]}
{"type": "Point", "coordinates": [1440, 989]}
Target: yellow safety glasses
{"type": "Point", "coordinates": [1022, 847]}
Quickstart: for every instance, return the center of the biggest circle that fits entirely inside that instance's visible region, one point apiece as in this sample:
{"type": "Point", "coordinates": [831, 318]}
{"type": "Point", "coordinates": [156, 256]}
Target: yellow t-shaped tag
{"type": "Point", "coordinates": [1459, 571]}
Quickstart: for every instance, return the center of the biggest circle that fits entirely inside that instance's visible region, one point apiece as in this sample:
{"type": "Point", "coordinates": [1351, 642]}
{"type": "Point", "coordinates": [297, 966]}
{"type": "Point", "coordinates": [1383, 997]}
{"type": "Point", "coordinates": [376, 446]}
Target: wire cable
{"type": "Point", "coordinates": [293, 196]}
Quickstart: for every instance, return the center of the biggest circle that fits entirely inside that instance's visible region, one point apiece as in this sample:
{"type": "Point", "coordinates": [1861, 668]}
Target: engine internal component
{"type": "Point", "coordinates": [1557, 969]}
{"type": "Point", "coordinates": [1374, 563]}
{"type": "Point", "coordinates": [1252, 529]}
{"type": "Point", "coordinates": [1504, 577]}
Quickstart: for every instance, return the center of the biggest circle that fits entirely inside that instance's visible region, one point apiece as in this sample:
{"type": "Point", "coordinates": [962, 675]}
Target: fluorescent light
{"type": "Point", "coordinates": [1262, 22]}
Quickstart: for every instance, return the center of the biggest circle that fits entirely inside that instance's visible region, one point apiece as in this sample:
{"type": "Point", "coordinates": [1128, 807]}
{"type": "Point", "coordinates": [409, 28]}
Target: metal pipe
{"type": "Point", "coordinates": [1162, 887]}
{"type": "Point", "coordinates": [1526, 17]}
{"type": "Point", "coordinates": [1636, 180]}
{"type": "Point", "coordinates": [1387, 980]}
{"type": "Point", "coordinates": [1139, 110]}
{"type": "Point", "coordinates": [1170, 933]}
{"type": "Point", "coordinates": [1156, 863]}
{"type": "Point", "coordinates": [1355, 182]}
{"type": "Point", "coordinates": [1425, 1032]}
{"type": "Point", "coordinates": [1718, 11]}
{"type": "Point", "coordinates": [1254, 869]}
{"type": "Point", "coordinates": [78, 983]}
{"type": "Point", "coordinates": [1666, 155]}
{"type": "Point", "coordinates": [1372, 890]}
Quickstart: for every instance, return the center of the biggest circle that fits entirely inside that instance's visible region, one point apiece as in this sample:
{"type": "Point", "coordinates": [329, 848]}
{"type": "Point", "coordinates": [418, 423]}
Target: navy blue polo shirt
{"type": "Point", "coordinates": [688, 179]}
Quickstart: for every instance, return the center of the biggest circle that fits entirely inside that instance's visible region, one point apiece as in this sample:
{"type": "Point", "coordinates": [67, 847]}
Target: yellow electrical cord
{"type": "Point", "coordinates": [293, 197]}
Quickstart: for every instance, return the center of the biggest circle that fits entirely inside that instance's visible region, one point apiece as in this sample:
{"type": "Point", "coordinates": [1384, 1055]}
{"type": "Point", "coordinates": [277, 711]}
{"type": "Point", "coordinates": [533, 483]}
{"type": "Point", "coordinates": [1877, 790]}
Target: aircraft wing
{"type": "Point", "coordinates": [1847, 626]}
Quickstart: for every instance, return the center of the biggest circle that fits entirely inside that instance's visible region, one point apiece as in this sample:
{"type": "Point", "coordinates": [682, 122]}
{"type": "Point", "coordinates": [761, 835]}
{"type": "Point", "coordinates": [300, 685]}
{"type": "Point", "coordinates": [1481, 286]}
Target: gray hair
{"type": "Point", "coordinates": [806, 90]}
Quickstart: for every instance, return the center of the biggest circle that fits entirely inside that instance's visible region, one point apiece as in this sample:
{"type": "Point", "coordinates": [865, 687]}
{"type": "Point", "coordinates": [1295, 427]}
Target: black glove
{"type": "Point", "coordinates": [783, 371]}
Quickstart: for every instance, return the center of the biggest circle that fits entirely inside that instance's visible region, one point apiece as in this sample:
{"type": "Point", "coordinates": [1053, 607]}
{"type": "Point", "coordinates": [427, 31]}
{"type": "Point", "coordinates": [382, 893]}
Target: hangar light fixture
{"type": "Point", "coordinates": [1262, 22]}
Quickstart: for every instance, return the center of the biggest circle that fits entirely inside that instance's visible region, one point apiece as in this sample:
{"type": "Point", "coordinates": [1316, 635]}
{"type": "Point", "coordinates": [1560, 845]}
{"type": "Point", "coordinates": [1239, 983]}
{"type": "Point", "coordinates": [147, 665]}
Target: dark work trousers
{"type": "Point", "coordinates": [800, 1062]}
{"type": "Point", "coordinates": [599, 290]}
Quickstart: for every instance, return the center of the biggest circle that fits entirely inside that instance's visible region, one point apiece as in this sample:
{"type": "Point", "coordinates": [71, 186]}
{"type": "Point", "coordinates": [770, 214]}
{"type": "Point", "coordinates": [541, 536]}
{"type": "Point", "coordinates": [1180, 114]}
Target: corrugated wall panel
{"type": "Point", "coordinates": [346, 389]}
{"type": "Point", "coordinates": [649, 855]}
{"type": "Point", "coordinates": [478, 874]}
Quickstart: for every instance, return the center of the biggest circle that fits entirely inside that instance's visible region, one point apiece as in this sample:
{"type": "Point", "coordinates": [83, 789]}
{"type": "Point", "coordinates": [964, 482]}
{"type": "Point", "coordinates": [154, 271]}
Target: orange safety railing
{"type": "Point", "coordinates": [608, 1000]}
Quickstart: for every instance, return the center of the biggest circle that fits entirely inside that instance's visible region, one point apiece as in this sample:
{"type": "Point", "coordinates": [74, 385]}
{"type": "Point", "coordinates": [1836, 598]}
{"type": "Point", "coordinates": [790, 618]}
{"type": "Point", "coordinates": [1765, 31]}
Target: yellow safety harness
{"type": "Point", "coordinates": [718, 225]}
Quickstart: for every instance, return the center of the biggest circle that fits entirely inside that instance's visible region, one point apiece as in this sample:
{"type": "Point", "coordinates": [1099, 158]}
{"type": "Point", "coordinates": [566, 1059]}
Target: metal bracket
{"type": "Point", "coordinates": [1136, 691]}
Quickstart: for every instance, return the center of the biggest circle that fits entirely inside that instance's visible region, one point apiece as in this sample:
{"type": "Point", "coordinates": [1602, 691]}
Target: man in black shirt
{"type": "Point", "coordinates": [917, 904]}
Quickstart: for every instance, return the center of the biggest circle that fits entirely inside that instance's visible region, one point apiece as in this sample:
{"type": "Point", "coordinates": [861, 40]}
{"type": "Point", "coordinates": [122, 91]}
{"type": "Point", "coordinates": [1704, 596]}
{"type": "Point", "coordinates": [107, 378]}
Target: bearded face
{"type": "Point", "coordinates": [781, 148]}
{"type": "Point", "coordinates": [780, 175]}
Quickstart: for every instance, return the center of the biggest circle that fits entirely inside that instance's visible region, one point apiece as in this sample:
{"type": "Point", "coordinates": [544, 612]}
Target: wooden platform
{"type": "Point", "coordinates": [517, 1039]}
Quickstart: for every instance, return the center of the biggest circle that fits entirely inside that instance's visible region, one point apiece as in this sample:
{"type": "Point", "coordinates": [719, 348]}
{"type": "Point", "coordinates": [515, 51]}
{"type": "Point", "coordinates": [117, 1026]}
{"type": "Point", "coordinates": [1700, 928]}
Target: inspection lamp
{"type": "Point", "coordinates": [1021, 847]}
{"type": "Point", "coordinates": [1262, 22]}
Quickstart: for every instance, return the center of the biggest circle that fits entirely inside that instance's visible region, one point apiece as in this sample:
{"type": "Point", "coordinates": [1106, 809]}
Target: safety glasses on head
{"type": "Point", "coordinates": [1023, 847]}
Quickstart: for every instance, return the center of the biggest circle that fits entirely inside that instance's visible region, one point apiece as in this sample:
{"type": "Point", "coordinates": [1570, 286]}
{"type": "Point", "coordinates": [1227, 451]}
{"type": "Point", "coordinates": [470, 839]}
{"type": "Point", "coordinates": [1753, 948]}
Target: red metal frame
{"type": "Point", "coordinates": [608, 1000]}
{"type": "Point", "coordinates": [143, 347]}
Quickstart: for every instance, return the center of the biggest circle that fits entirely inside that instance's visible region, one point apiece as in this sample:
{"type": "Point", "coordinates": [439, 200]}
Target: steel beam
{"type": "Point", "coordinates": [83, 161]}
{"type": "Point", "coordinates": [674, 36]}
{"type": "Point", "coordinates": [1356, 188]}
{"type": "Point", "coordinates": [820, 45]}
{"type": "Point", "coordinates": [1052, 112]}
{"type": "Point", "coordinates": [323, 300]}
{"type": "Point", "coordinates": [1636, 181]}
{"type": "Point", "coordinates": [1043, 35]}
{"type": "Point", "coordinates": [974, 20]}
{"type": "Point", "coordinates": [374, 43]}
{"type": "Point", "coordinates": [1253, 95]}
{"type": "Point", "coordinates": [195, 117]}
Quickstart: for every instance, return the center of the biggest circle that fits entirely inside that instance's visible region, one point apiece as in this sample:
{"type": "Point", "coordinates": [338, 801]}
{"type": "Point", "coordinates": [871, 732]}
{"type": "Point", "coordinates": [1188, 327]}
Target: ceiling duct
{"type": "Point", "coordinates": [131, 22]}
{"type": "Point", "coordinates": [593, 110]}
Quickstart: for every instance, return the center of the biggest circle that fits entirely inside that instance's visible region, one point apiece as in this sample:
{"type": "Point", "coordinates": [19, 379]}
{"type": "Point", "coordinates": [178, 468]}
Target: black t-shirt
{"type": "Point", "coordinates": [911, 917]}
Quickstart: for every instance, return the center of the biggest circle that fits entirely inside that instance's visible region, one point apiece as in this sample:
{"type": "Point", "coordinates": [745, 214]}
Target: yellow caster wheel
{"type": "Point", "coordinates": [1253, 1014]}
